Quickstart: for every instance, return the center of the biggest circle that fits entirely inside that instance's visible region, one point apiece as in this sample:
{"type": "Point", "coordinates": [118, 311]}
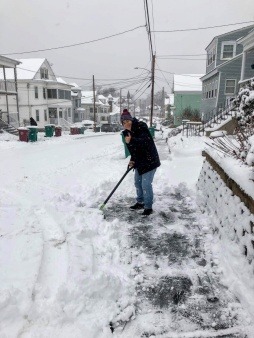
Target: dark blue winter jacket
{"type": "Point", "coordinates": [142, 148]}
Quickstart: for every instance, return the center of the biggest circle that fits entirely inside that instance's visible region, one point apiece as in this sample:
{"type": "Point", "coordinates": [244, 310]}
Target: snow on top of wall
{"type": "Point", "coordinates": [187, 83]}
{"type": "Point", "coordinates": [239, 172]}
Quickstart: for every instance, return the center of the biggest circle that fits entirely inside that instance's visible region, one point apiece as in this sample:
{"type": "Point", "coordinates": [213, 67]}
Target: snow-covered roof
{"type": "Point", "coordinates": [87, 100]}
{"type": "Point", "coordinates": [26, 70]}
{"type": "Point", "coordinates": [75, 86]}
{"type": "Point", "coordinates": [60, 80]}
{"type": "Point", "coordinates": [7, 62]}
{"type": "Point", "coordinates": [87, 93]}
{"type": "Point", "coordinates": [188, 83]}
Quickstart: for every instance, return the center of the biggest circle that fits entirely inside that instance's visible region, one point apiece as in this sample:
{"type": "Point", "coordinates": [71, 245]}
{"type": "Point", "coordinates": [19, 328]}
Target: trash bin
{"type": "Point", "coordinates": [151, 129]}
{"type": "Point", "coordinates": [23, 134]}
{"type": "Point", "coordinates": [33, 130]}
{"type": "Point", "coordinates": [74, 130]}
{"type": "Point", "coordinates": [126, 150]}
{"type": "Point", "coordinates": [58, 131]}
{"type": "Point", "coordinates": [49, 130]}
{"type": "Point", "coordinates": [82, 130]}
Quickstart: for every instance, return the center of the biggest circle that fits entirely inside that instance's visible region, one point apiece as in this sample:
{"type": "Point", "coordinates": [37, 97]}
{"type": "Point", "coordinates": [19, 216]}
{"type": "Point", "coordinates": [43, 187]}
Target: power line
{"type": "Point", "coordinates": [161, 56]}
{"type": "Point", "coordinates": [81, 78]}
{"type": "Point", "coordinates": [142, 93]}
{"type": "Point", "coordinates": [172, 58]}
{"type": "Point", "coordinates": [77, 44]}
{"type": "Point", "coordinates": [200, 28]}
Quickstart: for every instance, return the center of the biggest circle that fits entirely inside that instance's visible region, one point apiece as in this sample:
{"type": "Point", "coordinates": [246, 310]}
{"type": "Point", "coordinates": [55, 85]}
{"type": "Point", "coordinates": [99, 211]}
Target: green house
{"type": "Point", "coordinates": [187, 94]}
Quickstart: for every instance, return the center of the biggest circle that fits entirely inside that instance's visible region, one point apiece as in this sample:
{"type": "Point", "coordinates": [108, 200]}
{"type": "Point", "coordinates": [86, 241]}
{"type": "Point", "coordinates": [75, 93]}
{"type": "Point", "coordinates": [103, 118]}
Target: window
{"type": "Point", "coordinates": [44, 73]}
{"type": "Point", "coordinates": [230, 87]}
{"type": "Point", "coordinates": [228, 50]}
{"type": "Point", "coordinates": [215, 88]}
{"type": "Point", "coordinates": [211, 56]}
{"type": "Point", "coordinates": [52, 93]}
{"type": "Point", "coordinates": [37, 112]}
{"type": "Point", "coordinates": [60, 114]}
{"type": "Point", "coordinates": [60, 94]}
{"type": "Point", "coordinates": [69, 112]}
{"type": "Point", "coordinates": [36, 92]}
{"type": "Point", "coordinates": [64, 94]}
{"type": "Point", "coordinates": [91, 109]}
{"type": "Point", "coordinates": [44, 93]}
{"type": "Point", "coordinates": [45, 115]}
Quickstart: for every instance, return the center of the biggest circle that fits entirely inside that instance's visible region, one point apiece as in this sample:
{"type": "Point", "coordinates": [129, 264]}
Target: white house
{"type": "Point", "coordinates": [78, 111]}
{"type": "Point", "coordinates": [41, 95]}
{"type": "Point", "coordinates": [101, 114]}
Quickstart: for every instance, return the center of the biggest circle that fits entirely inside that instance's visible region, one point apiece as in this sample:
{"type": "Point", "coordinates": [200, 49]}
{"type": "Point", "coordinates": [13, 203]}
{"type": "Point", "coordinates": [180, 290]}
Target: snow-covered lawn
{"type": "Point", "coordinates": [65, 270]}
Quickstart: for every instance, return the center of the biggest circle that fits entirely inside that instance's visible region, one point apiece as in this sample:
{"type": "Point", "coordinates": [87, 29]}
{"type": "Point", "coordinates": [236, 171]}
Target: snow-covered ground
{"type": "Point", "coordinates": [66, 271]}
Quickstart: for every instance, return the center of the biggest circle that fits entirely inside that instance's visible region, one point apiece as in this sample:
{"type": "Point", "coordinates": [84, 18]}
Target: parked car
{"type": "Point", "coordinates": [111, 127]}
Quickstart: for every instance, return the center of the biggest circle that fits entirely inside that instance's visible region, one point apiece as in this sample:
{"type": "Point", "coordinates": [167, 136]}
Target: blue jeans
{"type": "Point", "coordinates": [143, 184]}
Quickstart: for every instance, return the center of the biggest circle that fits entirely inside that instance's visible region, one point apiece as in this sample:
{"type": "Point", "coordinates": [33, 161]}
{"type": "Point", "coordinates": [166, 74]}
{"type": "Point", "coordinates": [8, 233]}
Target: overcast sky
{"type": "Point", "coordinates": [28, 25]}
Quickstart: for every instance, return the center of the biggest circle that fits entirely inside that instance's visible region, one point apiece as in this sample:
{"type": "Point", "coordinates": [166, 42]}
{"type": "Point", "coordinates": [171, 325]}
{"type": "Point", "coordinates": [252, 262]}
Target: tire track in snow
{"type": "Point", "coordinates": [53, 268]}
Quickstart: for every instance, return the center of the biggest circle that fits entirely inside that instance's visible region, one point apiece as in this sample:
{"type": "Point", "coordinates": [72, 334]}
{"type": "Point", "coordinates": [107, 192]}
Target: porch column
{"type": "Point", "coordinates": [6, 96]}
{"type": "Point", "coordinates": [17, 97]}
{"type": "Point", "coordinates": [243, 65]}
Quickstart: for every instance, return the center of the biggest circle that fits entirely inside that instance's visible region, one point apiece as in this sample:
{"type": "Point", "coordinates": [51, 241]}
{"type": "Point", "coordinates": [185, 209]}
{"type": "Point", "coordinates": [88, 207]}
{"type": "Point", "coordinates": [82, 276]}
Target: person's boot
{"type": "Point", "coordinates": [137, 206]}
{"type": "Point", "coordinates": [147, 212]}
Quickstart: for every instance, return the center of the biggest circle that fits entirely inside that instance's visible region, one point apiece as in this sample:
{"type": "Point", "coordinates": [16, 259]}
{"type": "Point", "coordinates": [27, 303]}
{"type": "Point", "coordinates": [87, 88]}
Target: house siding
{"type": "Point", "coordinates": [248, 71]}
{"type": "Point", "coordinates": [225, 69]}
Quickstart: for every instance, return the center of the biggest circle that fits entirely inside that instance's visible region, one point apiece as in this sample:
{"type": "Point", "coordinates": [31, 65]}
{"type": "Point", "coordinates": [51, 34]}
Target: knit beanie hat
{"type": "Point", "coordinates": [126, 116]}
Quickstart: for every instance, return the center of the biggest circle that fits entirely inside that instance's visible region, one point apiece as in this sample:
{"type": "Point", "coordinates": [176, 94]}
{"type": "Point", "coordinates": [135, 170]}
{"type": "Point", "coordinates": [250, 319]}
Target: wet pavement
{"type": "Point", "coordinates": [179, 292]}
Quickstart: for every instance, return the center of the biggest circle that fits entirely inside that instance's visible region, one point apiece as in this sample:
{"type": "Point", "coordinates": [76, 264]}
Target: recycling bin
{"type": "Point", "coordinates": [58, 131]}
{"type": "Point", "coordinates": [49, 130]}
{"type": "Point", "coordinates": [33, 130]}
{"type": "Point", "coordinates": [81, 130]}
{"type": "Point", "coordinates": [74, 130]}
{"type": "Point", "coordinates": [126, 150]}
{"type": "Point", "coordinates": [151, 129]}
{"type": "Point", "coordinates": [23, 134]}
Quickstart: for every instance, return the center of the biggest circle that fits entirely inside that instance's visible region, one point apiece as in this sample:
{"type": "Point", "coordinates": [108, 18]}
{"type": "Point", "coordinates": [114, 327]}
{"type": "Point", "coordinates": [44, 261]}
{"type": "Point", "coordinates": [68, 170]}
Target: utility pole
{"type": "Point", "coordinates": [128, 100]}
{"type": "Point", "coordinates": [120, 103]}
{"type": "Point", "coordinates": [94, 113]}
{"type": "Point", "coordinates": [152, 91]}
{"type": "Point", "coordinates": [163, 103]}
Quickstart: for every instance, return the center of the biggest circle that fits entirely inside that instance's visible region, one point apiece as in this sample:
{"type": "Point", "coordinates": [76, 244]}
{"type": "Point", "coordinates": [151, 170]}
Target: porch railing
{"type": "Point", "coordinates": [10, 86]}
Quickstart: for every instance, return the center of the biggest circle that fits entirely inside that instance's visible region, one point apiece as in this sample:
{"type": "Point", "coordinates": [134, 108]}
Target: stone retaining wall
{"type": "Point", "coordinates": [230, 208]}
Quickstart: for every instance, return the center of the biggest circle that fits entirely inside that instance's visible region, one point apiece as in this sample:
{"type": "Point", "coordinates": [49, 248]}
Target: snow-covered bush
{"type": "Point", "coordinates": [241, 146]}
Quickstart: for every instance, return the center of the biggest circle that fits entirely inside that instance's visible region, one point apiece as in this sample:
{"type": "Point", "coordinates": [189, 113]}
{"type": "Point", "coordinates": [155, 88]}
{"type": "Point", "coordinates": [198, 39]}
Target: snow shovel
{"type": "Point", "coordinates": [112, 192]}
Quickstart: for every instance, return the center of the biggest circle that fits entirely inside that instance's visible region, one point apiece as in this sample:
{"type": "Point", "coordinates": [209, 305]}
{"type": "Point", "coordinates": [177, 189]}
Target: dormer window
{"type": "Point", "coordinates": [44, 73]}
{"type": "Point", "coordinates": [228, 50]}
